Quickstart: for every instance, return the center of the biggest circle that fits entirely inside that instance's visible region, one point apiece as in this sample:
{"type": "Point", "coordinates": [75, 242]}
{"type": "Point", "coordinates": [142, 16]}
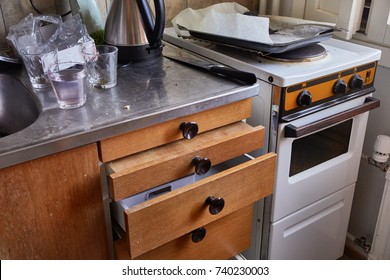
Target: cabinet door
{"type": "Point", "coordinates": [378, 23]}
{"type": "Point", "coordinates": [322, 10]}
{"type": "Point", "coordinates": [344, 13]}
{"type": "Point", "coordinates": [52, 208]}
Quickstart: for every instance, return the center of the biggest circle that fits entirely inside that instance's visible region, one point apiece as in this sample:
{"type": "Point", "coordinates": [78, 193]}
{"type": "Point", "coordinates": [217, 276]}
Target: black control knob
{"type": "Point", "coordinates": [304, 98]}
{"type": "Point", "coordinates": [356, 82]}
{"type": "Point", "coordinates": [340, 87]}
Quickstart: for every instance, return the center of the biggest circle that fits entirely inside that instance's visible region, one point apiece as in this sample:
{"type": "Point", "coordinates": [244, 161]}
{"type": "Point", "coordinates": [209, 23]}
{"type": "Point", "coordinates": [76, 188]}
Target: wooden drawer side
{"type": "Point", "coordinates": [166, 132]}
{"type": "Point", "coordinates": [158, 221]}
{"type": "Point", "coordinates": [225, 238]}
{"type": "Point", "coordinates": [137, 173]}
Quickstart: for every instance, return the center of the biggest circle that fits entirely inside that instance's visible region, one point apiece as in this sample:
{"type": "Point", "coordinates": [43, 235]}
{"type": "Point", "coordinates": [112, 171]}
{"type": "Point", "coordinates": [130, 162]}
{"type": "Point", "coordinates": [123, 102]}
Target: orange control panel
{"type": "Point", "coordinates": [328, 87]}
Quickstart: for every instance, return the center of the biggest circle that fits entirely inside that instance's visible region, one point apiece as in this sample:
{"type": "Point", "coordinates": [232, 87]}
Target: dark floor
{"type": "Point", "coordinates": [351, 252]}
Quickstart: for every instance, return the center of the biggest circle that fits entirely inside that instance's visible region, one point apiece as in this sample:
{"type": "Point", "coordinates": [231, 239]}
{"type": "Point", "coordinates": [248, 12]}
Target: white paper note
{"type": "Point", "coordinates": [225, 19]}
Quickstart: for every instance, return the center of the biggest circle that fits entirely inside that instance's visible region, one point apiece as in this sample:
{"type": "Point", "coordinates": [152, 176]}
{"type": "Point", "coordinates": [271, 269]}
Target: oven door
{"type": "Point", "coordinates": [319, 155]}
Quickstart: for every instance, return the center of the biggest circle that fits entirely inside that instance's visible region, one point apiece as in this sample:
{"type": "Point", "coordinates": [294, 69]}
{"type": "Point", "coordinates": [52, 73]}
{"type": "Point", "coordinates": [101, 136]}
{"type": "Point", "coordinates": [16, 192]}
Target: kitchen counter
{"type": "Point", "coordinates": [146, 94]}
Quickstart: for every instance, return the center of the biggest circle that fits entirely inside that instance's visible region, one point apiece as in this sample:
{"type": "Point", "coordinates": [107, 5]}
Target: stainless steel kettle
{"type": "Point", "coordinates": [130, 26]}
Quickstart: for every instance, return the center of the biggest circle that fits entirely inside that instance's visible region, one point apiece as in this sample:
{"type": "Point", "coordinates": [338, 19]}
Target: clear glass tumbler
{"type": "Point", "coordinates": [37, 59]}
{"type": "Point", "coordinates": [101, 65]}
{"type": "Point", "coordinates": [69, 81]}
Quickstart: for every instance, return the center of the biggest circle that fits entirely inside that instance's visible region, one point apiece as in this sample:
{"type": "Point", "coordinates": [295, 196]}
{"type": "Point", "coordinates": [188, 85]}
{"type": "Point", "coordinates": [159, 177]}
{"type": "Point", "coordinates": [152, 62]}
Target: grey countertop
{"type": "Point", "coordinates": [146, 93]}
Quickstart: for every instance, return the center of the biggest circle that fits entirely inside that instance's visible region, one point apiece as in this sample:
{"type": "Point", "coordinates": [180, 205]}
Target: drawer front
{"type": "Point", "coordinates": [156, 135]}
{"type": "Point", "coordinates": [225, 238]}
{"type": "Point", "coordinates": [165, 218]}
{"type": "Point", "coordinates": [142, 171]}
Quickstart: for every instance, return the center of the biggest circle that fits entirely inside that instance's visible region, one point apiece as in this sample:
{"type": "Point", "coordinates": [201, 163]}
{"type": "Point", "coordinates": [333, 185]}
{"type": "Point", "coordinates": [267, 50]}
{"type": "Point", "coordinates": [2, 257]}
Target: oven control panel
{"type": "Point", "coordinates": [309, 94]}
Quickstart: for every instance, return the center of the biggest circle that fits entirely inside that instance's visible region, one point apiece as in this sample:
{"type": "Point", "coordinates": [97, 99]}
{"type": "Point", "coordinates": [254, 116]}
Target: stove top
{"type": "Point", "coordinates": [305, 54]}
{"type": "Point", "coordinates": [340, 55]}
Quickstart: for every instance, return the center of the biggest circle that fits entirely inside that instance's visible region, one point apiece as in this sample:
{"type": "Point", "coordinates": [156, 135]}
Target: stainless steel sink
{"type": "Point", "coordinates": [18, 107]}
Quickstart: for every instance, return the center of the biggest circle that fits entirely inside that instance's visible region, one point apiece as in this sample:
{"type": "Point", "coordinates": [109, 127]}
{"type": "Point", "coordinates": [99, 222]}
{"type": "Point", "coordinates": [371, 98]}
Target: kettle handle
{"type": "Point", "coordinates": [154, 31]}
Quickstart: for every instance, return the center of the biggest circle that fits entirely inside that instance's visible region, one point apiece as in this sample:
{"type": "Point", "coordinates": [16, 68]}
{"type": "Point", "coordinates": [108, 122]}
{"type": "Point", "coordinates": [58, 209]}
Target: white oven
{"type": "Point", "coordinates": [319, 157]}
{"type": "Point", "coordinates": [315, 113]}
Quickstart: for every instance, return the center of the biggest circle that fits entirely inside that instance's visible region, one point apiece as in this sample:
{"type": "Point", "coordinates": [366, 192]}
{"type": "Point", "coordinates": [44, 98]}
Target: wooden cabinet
{"type": "Point", "coordinates": [218, 206]}
{"type": "Point", "coordinates": [52, 208]}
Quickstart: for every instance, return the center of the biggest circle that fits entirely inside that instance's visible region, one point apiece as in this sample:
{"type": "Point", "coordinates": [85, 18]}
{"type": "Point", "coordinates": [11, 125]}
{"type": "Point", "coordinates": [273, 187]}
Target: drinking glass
{"type": "Point", "coordinates": [69, 81]}
{"type": "Point", "coordinates": [37, 59]}
{"type": "Point", "coordinates": [101, 65]}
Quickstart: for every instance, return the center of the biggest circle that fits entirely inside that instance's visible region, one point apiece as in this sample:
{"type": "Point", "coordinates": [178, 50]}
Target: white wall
{"type": "Point", "coordinates": [371, 180]}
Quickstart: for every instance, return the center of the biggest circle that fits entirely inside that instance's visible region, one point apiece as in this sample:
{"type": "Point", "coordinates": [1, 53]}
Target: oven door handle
{"type": "Point", "coordinates": [291, 131]}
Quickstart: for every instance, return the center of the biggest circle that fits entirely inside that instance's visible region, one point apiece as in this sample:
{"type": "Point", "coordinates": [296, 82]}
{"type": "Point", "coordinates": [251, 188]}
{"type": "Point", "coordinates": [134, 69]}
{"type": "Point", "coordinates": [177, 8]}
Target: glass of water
{"type": "Point", "coordinates": [69, 81]}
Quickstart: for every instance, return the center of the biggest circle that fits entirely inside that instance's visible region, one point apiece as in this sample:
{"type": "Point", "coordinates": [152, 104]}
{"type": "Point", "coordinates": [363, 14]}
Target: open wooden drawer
{"type": "Point", "coordinates": [166, 218]}
{"type": "Point", "coordinates": [136, 173]}
{"type": "Point", "coordinates": [218, 240]}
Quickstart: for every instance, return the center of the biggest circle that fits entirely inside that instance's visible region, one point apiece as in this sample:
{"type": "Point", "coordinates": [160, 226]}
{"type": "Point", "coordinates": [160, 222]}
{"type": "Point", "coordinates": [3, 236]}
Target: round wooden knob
{"type": "Point", "coordinates": [202, 165]}
{"type": "Point", "coordinates": [189, 129]}
{"type": "Point", "coordinates": [198, 235]}
{"type": "Point", "coordinates": [216, 204]}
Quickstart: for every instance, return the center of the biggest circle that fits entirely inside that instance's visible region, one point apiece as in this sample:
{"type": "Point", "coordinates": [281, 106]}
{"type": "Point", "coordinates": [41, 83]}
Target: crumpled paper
{"type": "Point", "coordinates": [225, 19]}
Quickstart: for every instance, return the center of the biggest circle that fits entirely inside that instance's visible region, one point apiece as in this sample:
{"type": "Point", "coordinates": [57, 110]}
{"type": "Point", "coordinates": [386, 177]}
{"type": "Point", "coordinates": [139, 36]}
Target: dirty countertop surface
{"type": "Point", "coordinates": [146, 94]}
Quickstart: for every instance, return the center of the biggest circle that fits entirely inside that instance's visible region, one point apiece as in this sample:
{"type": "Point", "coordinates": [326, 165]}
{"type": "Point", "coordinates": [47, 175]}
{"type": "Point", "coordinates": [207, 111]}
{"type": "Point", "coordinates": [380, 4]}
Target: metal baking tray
{"type": "Point", "coordinates": [303, 35]}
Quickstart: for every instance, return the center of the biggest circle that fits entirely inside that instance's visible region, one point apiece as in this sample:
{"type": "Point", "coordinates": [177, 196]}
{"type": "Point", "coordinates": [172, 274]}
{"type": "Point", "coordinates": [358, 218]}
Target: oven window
{"type": "Point", "coordinates": [319, 147]}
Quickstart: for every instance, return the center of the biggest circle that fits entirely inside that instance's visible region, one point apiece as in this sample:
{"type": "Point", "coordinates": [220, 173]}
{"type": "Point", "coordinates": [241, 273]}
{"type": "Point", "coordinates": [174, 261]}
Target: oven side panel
{"type": "Point", "coordinates": [261, 115]}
